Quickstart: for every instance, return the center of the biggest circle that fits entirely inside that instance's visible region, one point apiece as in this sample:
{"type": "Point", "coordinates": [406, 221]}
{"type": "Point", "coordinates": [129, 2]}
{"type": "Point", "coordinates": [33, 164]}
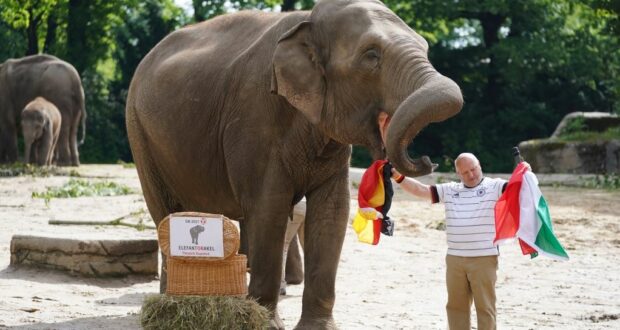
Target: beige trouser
{"type": "Point", "coordinates": [470, 278]}
{"type": "Point", "coordinates": [294, 226]}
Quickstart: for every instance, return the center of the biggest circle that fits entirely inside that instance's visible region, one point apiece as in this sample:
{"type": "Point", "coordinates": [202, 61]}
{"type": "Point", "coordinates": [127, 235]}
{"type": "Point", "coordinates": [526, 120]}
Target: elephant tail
{"type": "Point", "coordinates": [83, 122]}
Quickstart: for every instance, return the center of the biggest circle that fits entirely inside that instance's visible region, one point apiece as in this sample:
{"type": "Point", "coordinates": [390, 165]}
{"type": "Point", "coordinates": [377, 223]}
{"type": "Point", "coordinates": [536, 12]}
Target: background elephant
{"type": "Point", "coordinates": [247, 113]}
{"type": "Point", "coordinates": [40, 121]}
{"type": "Point", "coordinates": [21, 80]}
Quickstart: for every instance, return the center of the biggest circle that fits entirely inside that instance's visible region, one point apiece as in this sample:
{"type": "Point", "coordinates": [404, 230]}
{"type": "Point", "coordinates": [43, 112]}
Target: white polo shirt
{"type": "Point", "coordinates": [470, 216]}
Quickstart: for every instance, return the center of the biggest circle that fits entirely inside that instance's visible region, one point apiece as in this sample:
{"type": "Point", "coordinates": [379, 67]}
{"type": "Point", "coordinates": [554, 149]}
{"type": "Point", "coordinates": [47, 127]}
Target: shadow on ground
{"type": "Point", "coordinates": [34, 274]}
{"type": "Point", "coordinates": [89, 323]}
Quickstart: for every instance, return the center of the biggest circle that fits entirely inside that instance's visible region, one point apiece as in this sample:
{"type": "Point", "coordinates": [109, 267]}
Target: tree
{"type": "Point", "coordinates": [522, 65]}
{"type": "Point", "coordinates": [144, 25]}
{"type": "Point", "coordinates": [29, 17]}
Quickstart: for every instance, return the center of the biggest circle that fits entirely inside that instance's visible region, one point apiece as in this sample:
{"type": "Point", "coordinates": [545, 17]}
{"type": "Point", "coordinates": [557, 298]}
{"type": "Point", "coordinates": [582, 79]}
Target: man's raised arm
{"type": "Point", "coordinates": [412, 186]}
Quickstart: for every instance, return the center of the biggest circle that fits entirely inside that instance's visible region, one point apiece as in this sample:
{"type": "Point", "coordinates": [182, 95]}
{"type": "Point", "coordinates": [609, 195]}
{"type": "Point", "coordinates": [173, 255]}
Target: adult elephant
{"type": "Point", "coordinates": [24, 79]}
{"type": "Point", "coordinates": [247, 113]}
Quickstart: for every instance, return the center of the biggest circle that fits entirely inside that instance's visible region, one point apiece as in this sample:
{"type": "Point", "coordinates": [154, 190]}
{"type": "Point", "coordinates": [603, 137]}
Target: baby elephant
{"type": "Point", "coordinates": [40, 122]}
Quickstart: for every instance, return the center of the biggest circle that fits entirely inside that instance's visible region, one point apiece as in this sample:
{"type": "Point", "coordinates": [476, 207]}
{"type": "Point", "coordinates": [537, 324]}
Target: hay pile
{"type": "Point", "coordinates": [202, 312]}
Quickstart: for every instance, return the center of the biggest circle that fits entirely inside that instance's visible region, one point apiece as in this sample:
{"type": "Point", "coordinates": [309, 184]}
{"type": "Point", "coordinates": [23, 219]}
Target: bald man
{"type": "Point", "coordinates": [471, 260]}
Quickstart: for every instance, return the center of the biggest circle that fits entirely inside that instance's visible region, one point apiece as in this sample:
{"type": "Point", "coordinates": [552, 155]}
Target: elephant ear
{"type": "Point", "coordinates": [297, 75]}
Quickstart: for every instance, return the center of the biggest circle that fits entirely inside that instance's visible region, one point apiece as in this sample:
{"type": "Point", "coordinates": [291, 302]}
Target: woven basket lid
{"type": "Point", "coordinates": [231, 236]}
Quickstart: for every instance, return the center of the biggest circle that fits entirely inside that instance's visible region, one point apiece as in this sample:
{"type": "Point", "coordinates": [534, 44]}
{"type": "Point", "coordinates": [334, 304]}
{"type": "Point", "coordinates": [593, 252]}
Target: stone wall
{"type": "Point", "coordinates": [99, 258]}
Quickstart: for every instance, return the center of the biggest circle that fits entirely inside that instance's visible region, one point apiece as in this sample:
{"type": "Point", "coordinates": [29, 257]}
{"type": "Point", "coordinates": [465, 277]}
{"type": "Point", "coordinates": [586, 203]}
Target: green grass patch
{"type": "Point", "coordinates": [202, 312]}
{"type": "Point", "coordinates": [126, 165]}
{"type": "Point", "coordinates": [612, 133]}
{"type": "Point", "coordinates": [605, 181]}
{"type": "Point", "coordinates": [19, 169]}
{"type": "Point", "coordinates": [79, 187]}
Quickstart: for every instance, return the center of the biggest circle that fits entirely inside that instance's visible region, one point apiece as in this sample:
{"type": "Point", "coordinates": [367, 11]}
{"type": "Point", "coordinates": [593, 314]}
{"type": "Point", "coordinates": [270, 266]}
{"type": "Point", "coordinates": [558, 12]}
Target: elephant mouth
{"type": "Point", "coordinates": [383, 120]}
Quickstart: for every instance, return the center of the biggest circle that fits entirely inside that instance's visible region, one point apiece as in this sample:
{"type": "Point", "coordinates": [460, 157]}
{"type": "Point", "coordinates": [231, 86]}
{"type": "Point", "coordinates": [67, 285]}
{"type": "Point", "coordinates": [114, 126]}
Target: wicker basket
{"type": "Point", "coordinates": [224, 277]}
{"type": "Point", "coordinates": [205, 275]}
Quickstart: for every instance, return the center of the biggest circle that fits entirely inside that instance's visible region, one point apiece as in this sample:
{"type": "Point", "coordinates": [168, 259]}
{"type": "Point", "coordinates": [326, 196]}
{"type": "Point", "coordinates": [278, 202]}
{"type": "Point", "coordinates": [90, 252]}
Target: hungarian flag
{"type": "Point", "coordinates": [522, 212]}
{"type": "Point", "coordinates": [374, 198]}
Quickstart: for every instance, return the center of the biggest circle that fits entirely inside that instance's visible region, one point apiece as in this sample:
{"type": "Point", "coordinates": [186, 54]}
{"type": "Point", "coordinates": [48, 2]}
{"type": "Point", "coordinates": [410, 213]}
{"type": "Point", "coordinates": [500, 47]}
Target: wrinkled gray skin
{"type": "Point", "coordinates": [21, 81]}
{"type": "Point", "coordinates": [247, 113]}
{"type": "Point", "coordinates": [40, 121]}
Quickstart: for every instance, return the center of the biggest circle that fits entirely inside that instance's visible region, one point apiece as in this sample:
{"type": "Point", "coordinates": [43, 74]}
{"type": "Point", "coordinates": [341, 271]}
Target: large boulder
{"type": "Point", "coordinates": [586, 121]}
{"type": "Point", "coordinates": [560, 155]}
{"type": "Point", "coordinates": [556, 156]}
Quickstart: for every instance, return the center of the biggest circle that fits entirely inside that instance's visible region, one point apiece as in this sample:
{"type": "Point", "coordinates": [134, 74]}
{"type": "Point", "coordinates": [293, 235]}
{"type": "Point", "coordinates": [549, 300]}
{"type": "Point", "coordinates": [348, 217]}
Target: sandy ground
{"type": "Point", "coordinates": [398, 284]}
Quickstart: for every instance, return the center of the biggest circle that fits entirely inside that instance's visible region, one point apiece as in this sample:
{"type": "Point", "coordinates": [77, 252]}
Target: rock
{"type": "Point", "coordinates": [99, 258]}
{"type": "Point", "coordinates": [556, 156]}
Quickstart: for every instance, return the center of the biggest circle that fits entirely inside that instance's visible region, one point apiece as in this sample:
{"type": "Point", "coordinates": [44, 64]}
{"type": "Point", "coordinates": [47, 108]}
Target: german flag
{"type": "Point", "coordinates": [374, 199]}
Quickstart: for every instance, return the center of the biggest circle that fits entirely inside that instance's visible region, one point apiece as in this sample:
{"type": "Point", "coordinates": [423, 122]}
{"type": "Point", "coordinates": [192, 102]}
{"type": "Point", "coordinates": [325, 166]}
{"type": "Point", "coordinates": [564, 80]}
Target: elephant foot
{"type": "Point", "coordinates": [316, 323]}
{"type": "Point", "coordinates": [275, 323]}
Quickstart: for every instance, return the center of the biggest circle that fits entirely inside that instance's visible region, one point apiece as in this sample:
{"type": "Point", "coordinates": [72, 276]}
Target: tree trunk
{"type": "Point", "coordinates": [31, 31]}
{"type": "Point", "coordinates": [50, 36]}
{"type": "Point", "coordinates": [76, 34]}
{"type": "Point", "coordinates": [491, 24]}
{"type": "Point", "coordinates": [288, 5]}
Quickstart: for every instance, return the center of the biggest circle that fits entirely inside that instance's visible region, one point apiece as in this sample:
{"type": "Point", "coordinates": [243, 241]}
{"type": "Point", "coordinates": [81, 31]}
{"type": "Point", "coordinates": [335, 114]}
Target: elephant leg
{"type": "Point", "coordinates": [325, 226]}
{"type": "Point", "coordinates": [291, 232]}
{"type": "Point", "coordinates": [156, 194]}
{"type": "Point", "coordinates": [8, 143]}
{"type": "Point", "coordinates": [266, 222]}
{"type": "Point", "coordinates": [160, 204]}
{"type": "Point", "coordinates": [294, 264]}
{"type": "Point", "coordinates": [45, 145]}
{"type": "Point", "coordinates": [63, 148]}
{"type": "Point", "coordinates": [53, 153]}
{"type": "Point", "coordinates": [243, 240]}
{"type": "Point", "coordinates": [73, 143]}
{"type": "Point", "coordinates": [34, 152]}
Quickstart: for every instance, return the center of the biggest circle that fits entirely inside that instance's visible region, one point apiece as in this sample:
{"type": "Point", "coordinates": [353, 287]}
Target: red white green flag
{"type": "Point", "coordinates": [522, 212]}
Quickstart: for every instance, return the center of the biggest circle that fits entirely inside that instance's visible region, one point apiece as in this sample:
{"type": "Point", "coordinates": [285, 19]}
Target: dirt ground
{"type": "Point", "coordinates": [398, 284]}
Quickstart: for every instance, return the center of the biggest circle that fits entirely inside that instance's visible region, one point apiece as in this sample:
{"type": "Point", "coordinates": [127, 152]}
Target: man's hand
{"type": "Point", "coordinates": [397, 176]}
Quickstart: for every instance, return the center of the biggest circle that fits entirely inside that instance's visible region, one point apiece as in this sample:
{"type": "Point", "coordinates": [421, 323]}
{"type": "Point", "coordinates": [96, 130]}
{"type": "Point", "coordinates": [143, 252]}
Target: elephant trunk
{"type": "Point", "coordinates": [437, 99]}
{"type": "Point", "coordinates": [27, 148]}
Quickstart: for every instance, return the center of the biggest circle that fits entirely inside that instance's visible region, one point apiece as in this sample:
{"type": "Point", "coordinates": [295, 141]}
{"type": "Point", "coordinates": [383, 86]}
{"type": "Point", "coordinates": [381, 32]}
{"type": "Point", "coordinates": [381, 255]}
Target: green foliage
{"type": "Point", "coordinates": [106, 138]}
{"type": "Point", "coordinates": [575, 125]}
{"type": "Point", "coordinates": [360, 157]}
{"type": "Point", "coordinates": [13, 42]}
{"type": "Point", "coordinates": [605, 181]}
{"type": "Point", "coordinates": [79, 187]}
{"type": "Point", "coordinates": [143, 25]}
{"type": "Point", "coordinates": [522, 65]}
{"type": "Point", "coordinates": [577, 134]}
{"type": "Point", "coordinates": [126, 165]}
{"type": "Point", "coordinates": [19, 169]}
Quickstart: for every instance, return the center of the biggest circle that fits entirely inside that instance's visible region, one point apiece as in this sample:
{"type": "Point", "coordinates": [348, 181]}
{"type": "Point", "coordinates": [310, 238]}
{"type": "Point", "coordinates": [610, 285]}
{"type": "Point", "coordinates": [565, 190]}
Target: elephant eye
{"type": "Point", "coordinates": [371, 58]}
